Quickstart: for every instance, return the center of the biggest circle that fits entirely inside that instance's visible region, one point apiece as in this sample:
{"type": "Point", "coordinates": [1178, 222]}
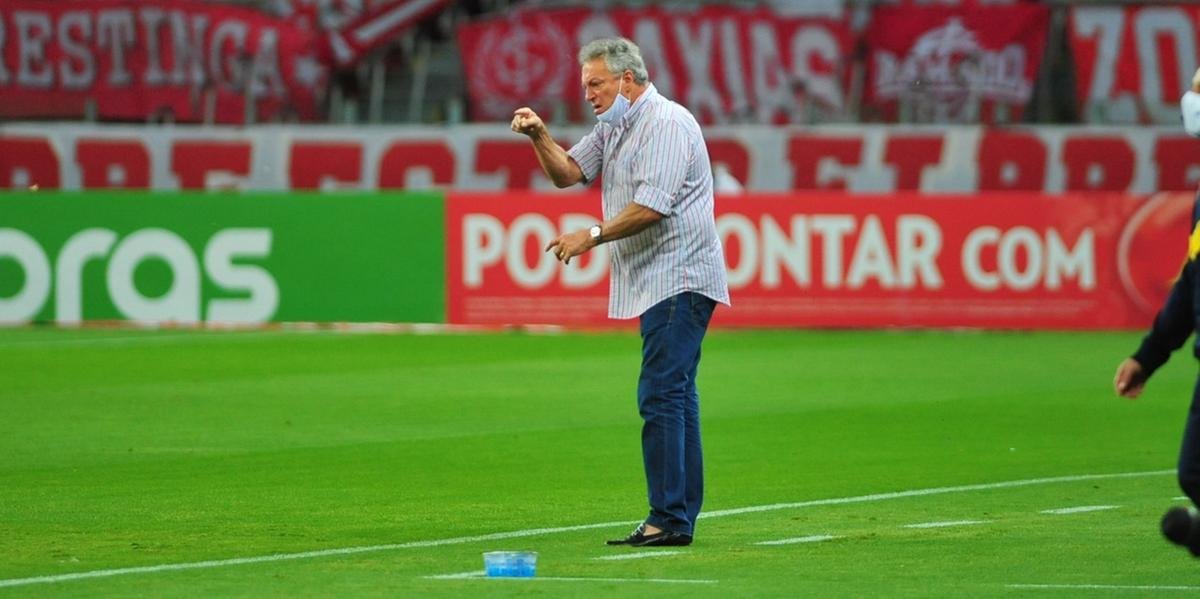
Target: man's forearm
{"type": "Point", "coordinates": [555, 162]}
{"type": "Point", "coordinates": [634, 219]}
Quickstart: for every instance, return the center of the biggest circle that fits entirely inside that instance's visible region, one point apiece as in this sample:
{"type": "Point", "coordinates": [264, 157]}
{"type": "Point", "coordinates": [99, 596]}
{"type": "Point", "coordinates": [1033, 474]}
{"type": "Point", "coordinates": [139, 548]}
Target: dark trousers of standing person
{"type": "Point", "coordinates": [672, 331]}
{"type": "Point", "coordinates": [1189, 452]}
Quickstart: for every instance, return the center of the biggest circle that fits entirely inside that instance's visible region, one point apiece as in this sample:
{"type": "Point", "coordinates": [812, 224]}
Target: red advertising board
{"type": "Point", "coordinates": [724, 63]}
{"type": "Point", "coordinates": [949, 63]}
{"type": "Point", "coordinates": [499, 273]}
{"type": "Point", "coordinates": [139, 59]}
{"type": "Point", "coordinates": [1133, 62]}
{"type": "Point", "coordinates": [1000, 260]}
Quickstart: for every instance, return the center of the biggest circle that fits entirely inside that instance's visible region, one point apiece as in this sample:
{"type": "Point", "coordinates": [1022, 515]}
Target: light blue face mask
{"type": "Point", "coordinates": [619, 107]}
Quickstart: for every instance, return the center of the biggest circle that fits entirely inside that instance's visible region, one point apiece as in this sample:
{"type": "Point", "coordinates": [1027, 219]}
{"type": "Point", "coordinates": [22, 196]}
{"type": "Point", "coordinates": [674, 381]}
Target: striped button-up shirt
{"type": "Point", "coordinates": [655, 156]}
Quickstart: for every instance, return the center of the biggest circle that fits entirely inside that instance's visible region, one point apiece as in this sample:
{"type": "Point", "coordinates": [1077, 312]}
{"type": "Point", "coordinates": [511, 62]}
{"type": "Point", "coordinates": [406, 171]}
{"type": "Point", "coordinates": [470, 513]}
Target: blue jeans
{"type": "Point", "coordinates": [670, 407]}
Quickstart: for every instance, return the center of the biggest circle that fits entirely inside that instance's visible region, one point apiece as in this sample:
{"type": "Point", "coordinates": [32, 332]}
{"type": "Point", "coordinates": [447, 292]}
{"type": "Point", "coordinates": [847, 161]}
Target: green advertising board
{"type": "Point", "coordinates": [253, 258]}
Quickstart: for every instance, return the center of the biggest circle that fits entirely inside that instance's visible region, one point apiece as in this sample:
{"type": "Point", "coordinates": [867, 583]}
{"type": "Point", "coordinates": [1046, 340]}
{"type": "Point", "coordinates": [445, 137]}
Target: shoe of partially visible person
{"type": "Point", "coordinates": [662, 538]}
{"type": "Point", "coordinates": [1179, 527]}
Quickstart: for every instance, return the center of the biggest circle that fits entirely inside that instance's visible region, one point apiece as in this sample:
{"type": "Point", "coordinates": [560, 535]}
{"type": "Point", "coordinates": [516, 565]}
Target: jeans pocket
{"type": "Point", "coordinates": [659, 316]}
{"type": "Point", "coordinates": [701, 309]}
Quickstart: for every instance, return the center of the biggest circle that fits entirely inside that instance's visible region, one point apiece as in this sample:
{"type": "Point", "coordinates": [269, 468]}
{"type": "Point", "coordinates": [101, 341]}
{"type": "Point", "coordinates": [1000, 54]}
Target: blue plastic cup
{"type": "Point", "coordinates": [510, 564]}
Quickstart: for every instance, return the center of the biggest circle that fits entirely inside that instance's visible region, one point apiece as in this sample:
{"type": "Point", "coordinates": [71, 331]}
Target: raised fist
{"type": "Point", "coordinates": [526, 121]}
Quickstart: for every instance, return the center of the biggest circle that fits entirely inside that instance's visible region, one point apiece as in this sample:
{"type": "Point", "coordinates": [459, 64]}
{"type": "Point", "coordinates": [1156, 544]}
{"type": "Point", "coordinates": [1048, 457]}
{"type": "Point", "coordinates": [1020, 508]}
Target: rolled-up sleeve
{"type": "Point", "coordinates": [660, 167]}
{"type": "Point", "coordinates": [588, 153]}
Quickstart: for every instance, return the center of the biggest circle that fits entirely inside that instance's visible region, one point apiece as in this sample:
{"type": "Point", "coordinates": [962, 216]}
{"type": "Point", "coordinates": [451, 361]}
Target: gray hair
{"type": "Point", "coordinates": [619, 55]}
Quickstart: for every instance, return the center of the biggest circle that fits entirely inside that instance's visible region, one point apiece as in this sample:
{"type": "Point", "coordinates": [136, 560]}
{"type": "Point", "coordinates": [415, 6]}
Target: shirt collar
{"type": "Point", "coordinates": [636, 108]}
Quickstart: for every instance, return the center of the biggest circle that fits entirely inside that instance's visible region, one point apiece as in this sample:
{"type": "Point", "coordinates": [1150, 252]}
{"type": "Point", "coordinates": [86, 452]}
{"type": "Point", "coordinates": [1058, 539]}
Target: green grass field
{"type": "Point", "coordinates": [155, 460]}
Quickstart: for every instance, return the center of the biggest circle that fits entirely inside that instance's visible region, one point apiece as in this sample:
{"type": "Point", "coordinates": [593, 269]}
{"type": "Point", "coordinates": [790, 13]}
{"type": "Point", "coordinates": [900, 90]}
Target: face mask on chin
{"type": "Point", "coordinates": [619, 107]}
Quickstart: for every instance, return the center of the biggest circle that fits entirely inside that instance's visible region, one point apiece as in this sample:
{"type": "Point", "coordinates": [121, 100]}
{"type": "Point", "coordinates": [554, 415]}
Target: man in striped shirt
{"type": "Point", "coordinates": [668, 268]}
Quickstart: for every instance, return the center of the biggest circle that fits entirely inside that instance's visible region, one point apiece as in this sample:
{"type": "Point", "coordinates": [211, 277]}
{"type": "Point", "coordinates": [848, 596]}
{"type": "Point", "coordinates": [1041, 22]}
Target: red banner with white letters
{"type": "Point", "coordinates": [1000, 260]}
{"type": "Point", "coordinates": [725, 64]}
{"type": "Point", "coordinates": [1132, 63]}
{"type": "Point", "coordinates": [864, 159]}
{"type": "Point", "coordinates": [954, 65]}
{"type": "Point", "coordinates": [173, 59]}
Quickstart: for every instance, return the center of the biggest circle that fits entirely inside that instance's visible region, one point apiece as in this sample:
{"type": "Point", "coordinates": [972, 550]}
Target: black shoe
{"type": "Point", "coordinates": [664, 538]}
{"type": "Point", "coordinates": [1179, 527]}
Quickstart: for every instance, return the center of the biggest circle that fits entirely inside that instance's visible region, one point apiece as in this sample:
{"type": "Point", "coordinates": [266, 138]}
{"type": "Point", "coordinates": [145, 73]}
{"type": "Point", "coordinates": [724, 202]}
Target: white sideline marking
{"type": "Point", "coordinates": [1079, 510]}
{"type": "Point", "coordinates": [278, 557]}
{"type": "Point", "coordinates": [933, 491]}
{"type": "Point", "coordinates": [460, 575]}
{"type": "Point", "coordinates": [945, 524]}
{"type": "Point", "coordinates": [808, 539]}
{"type": "Point", "coordinates": [1105, 587]}
{"type": "Point", "coordinates": [1181, 498]}
{"type": "Point", "coordinates": [638, 555]}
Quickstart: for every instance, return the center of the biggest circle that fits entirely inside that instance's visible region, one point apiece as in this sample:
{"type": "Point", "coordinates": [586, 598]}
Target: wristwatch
{"type": "Point", "coordinates": [595, 233]}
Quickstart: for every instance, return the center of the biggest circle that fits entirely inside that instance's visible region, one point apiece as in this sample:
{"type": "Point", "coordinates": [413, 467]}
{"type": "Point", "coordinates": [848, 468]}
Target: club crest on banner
{"type": "Point", "coordinates": [523, 62]}
{"type": "Point", "coordinates": [961, 65]}
{"type": "Point", "coordinates": [949, 67]}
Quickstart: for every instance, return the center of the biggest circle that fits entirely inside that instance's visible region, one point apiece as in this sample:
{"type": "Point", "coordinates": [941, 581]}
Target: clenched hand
{"type": "Point", "coordinates": [526, 121]}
